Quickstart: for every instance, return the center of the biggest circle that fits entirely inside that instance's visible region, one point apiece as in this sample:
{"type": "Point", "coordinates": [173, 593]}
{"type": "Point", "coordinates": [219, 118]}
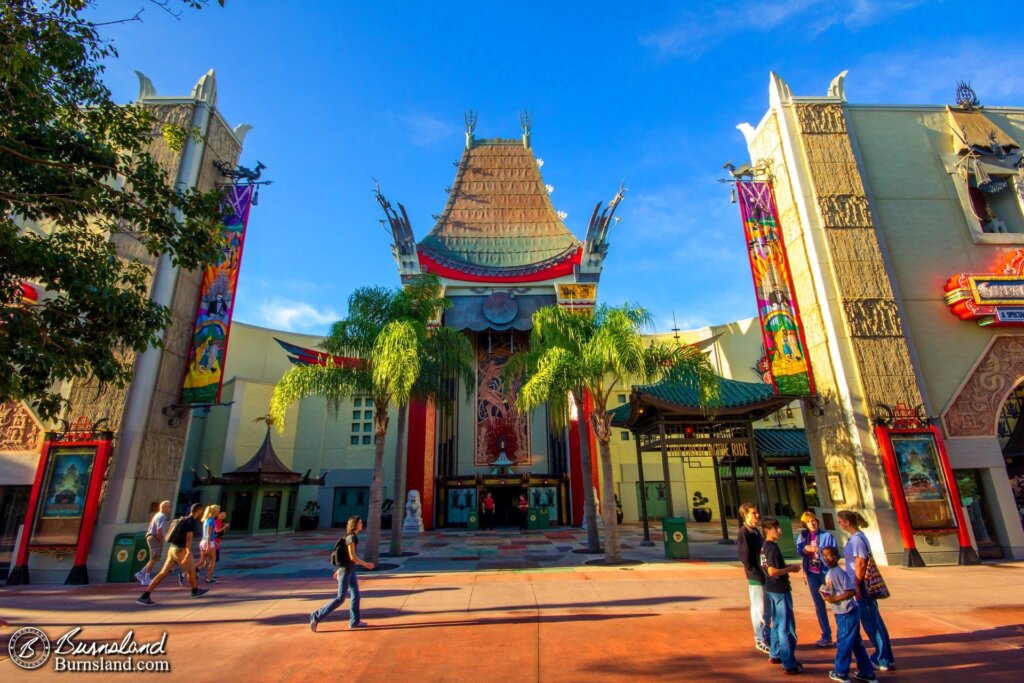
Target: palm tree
{"type": "Point", "coordinates": [572, 353]}
{"type": "Point", "coordinates": [446, 356]}
{"type": "Point", "coordinates": [375, 352]}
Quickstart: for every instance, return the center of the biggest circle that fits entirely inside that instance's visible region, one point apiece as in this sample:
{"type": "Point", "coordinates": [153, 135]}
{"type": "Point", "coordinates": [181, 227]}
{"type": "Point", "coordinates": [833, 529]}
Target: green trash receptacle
{"type": "Point", "coordinates": [140, 557]}
{"type": "Point", "coordinates": [677, 543]}
{"type": "Point", "coordinates": [787, 543]}
{"type": "Point", "coordinates": [122, 557]}
{"type": "Point", "coordinates": [473, 521]}
{"type": "Point", "coordinates": [545, 518]}
{"type": "Point", "coordinates": [532, 519]}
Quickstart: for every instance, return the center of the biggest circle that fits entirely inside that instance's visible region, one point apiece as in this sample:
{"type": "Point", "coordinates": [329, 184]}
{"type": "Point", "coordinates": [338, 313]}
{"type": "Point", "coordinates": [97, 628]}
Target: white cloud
{"type": "Point", "coordinates": [425, 131]}
{"type": "Point", "coordinates": [294, 316]}
{"type": "Point", "coordinates": [697, 32]}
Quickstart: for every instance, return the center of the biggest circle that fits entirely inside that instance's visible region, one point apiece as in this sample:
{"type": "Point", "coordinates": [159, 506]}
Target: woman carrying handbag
{"type": "Point", "coordinates": [858, 561]}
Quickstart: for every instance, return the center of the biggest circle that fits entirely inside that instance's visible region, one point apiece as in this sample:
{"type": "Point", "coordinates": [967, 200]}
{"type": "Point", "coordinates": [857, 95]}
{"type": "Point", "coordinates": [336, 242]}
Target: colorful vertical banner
{"type": "Point", "coordinates": [205, 370]}
{"type": "Point", "coordinates": [785, 347]}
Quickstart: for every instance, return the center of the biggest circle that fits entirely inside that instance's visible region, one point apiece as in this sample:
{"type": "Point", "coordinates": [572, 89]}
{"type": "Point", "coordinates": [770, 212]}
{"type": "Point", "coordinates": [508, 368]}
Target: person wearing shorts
{"type": "Point", "coordinates": [179, 554]}
{"type": "Point", "coordinates": [155, 533]}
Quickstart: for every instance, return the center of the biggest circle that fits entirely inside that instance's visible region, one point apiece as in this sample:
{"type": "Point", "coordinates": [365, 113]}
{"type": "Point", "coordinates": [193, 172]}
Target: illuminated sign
{"type": "Point", "coordinates": [990, 298]}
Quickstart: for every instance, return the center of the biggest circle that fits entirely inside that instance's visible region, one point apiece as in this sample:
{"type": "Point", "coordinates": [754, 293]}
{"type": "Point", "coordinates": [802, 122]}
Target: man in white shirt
{"type": "Point", "coordinates": [155, 540]}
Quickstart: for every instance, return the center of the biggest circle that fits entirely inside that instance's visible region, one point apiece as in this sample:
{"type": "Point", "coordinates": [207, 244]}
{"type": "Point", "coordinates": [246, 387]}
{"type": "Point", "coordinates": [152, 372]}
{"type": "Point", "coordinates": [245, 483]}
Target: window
{"type": "Point", "coordinates": [996, 200]}
{"type": "Point", "coordinates": [362, 422]}
{"type": "Point", "coordinates": [622, 398]}
{"type": "Point", "coordinates": [625, 435]}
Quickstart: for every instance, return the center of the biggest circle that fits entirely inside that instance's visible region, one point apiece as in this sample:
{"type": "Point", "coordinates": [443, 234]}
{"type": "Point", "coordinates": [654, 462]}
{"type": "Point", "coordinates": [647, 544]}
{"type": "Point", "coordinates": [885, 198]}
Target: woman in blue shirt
{"type": "Point", "coordinates": [808, 545]}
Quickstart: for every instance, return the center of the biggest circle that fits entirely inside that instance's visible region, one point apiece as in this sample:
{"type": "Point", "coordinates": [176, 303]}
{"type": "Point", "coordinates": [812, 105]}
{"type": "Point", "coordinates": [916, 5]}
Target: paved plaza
{"type": "Point", "coordinates": [514, 606]}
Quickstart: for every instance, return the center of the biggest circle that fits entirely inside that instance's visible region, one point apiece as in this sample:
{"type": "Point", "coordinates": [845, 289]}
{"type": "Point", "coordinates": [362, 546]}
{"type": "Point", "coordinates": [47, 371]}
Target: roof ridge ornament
{"type": "Point", "coordinates": [470, 117]}
{"type": "Point", "coordinates": [526, 123]}
{"type": "Point", "coordinates": [966, 98]}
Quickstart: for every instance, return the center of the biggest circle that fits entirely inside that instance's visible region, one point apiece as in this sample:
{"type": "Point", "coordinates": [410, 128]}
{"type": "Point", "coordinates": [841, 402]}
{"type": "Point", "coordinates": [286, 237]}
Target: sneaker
{"type": "Point", "coordinates": [866, 678]}
{"type": "Point", "coordinates": [885, 667]}
{"type": "Point", "coordinates": [762, 647]}
{"type": "Point", "coordinates": [140, 577]}
{"type": "Point", "coordinates": [360, 624]}
{"type": "Point", "coordinates": [212, 580]}
{"type": "Point", "coordinates": [799, 668]}
{"type": "Point", "coordinates": [775, 660]}
{"type": "Point", "coordinates": [824, 643]}
{"type": "Point", "coordinates": [199, 592]}
{"type": "Point", "coordinates": [312, 623]}
{"type": "Point", "coordinates": [834, 676]}
{"type": "Point", "coordinates": [144, 600]}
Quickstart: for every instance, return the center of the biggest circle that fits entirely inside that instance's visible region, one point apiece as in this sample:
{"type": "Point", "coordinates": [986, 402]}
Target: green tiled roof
{"type": "Point", "coordinates": [782, 443]}
{"type": "Point", "coordinates": [773, 472]}
{"type": "Point", "coordinates": [499, 215]}
{"type": "Point", "coordinates": [731, 393]}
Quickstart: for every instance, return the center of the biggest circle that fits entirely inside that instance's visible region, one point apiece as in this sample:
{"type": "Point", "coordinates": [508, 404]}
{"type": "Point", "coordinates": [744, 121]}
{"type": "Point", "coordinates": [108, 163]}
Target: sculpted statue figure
{"type": "Point", "coordinates": [413, 514]}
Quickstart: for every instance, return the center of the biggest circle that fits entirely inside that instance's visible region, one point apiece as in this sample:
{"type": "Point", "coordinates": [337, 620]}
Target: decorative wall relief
{"type": "Point", "coordinates": [496, 412]}
{"type": "Point", "coordinates": [975, 409]}
{"type": "Point", "coordinates": [20, 431]}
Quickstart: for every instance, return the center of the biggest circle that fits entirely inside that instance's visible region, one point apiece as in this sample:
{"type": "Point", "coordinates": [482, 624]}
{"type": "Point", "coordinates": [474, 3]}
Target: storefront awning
{"type": "Point", "coordinates": [747, 473]}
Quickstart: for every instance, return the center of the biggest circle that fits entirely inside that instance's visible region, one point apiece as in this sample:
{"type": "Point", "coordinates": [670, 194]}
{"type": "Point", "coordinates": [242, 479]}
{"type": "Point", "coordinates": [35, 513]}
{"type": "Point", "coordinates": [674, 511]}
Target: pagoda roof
{"type": "Point", "coordinates": [499, 220]}
{"type": "Point", "coordinates": [262, 468]}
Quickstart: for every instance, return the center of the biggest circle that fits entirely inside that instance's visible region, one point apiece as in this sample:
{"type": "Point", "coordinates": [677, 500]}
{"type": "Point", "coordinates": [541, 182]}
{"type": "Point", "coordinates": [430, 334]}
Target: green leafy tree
{"type": "Point", "coordinates": [76, 179]}
{"type": "Point", "coordinates": [572, 353]}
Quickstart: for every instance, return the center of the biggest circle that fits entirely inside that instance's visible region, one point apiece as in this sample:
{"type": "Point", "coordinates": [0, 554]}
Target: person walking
{"type": "Point", "coordinates": [524, 508]}
{"type": "Point", "coordinates": [809, 545]}
{"type": "Point", "coordinates": [179, 554]}
{"type": "Point", "coordinates": [780, 595]}
{"type": "Point", "coordinates": [855, 562]}
{"type": "Point", "coordinates": [345, 559]}
{"type": "Point", "coordinates": [487, 511]}
{"type": "Point", "coordinates": [208, 544]}
{"type": "Point", "coordinates": [220, 527]}
{"type": "Point", "coordinates": [748, 546]}
{"type": "Point", "coordinates": [155, 541]}
{"type": "Point", "coordinates": [839, 591]}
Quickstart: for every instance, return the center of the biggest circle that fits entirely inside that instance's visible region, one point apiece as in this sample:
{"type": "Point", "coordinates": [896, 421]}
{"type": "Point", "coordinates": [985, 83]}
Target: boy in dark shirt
{"type": "Point", "coordinates": [780, 597]}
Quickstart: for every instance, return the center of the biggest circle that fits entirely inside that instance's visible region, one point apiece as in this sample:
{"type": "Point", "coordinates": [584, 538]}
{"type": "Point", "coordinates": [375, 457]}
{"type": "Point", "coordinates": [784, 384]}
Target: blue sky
{"type": "Point", "coordinates": [340, 93]}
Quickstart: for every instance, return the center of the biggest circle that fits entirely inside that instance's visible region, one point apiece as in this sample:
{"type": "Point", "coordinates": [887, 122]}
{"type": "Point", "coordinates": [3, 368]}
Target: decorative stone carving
{"type": "Point", "coordinates": [975, 409]}
{"type": "Point", "coordinates": [821, 118]}
{"type": "Point", "coordinates": [413, 523]}
{"type": "Point", "coordinates": [841, 211]}
{"type": "Point", "coordinates": [872, 318]}
{"type": "Point", "coordinates": [20, 431]}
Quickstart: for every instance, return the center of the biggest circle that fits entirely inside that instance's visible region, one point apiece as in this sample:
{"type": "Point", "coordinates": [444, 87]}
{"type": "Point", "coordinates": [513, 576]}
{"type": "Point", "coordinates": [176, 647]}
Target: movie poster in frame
{"type": "Point", "coordinates": [67, 483]}
{"type": "Point", "coordinates": [923, 482]}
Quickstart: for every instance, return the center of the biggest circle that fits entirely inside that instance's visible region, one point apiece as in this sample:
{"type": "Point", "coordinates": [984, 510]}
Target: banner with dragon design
{"type": "Point", "coordinates": [205, 370]}
{"type": "Point", "coordinates": [782, 330]}
{"type": "Point", "coordinates": [499, 426]}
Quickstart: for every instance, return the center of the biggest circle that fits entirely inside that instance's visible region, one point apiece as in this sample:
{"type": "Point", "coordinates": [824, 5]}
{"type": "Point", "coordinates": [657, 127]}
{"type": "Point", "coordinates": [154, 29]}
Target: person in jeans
{"type": "Point", "coordinates": [179, 554]}
{"type": "Point", "coordinates": [748, 545]}
{"type": "Point", "coordinates": [780, 596]}
{"type": "Point", "coordinates": [345, 574]}
{"type": "Point", "coordinates": [855, 561]}
{"type": "Point", "coordinates": [839, 590]}
{"type": "Point", "coordinates": [809, 546]}
{"type": "Point", "coordinates": [155, 540]}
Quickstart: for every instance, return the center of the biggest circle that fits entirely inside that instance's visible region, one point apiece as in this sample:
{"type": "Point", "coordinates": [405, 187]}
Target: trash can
{"type": "Point", "coordinates": [787, 544]}
{"type": "Point", "coordinates": [677, 544]}
{"type": "Point", "coordinates": [141, 556]}
{"type": "Point", "coordinates": [122, 559]}
{"type": "Point", "coordinates": [532, 519]}
{"type": "Point", "coordinates": [473, 521]}
{"type": "Point", "coordinates": [545, 518]}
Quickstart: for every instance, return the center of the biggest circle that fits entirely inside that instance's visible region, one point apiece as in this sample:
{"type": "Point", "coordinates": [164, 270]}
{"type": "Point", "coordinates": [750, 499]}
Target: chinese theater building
{"type": "Point", "coordinates": [904, 230]}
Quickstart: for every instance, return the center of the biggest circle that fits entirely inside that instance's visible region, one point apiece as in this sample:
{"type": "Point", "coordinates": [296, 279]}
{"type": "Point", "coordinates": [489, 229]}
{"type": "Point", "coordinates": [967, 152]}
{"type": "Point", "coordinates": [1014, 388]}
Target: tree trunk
{"type": "Point", "coordinates": [380, 423]}
{"type": "Point", "coordinates": [398, 509]}
{"type": "Point", "coordinates": [612, 550]}
{"type": "Point", "coordinates": [587, 474]}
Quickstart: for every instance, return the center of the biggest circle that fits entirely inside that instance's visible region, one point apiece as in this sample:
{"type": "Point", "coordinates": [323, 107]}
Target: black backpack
{"type": "Point", "coordinates": [176, 534]}
{"type": "Point", "coordinates": [339, 556]}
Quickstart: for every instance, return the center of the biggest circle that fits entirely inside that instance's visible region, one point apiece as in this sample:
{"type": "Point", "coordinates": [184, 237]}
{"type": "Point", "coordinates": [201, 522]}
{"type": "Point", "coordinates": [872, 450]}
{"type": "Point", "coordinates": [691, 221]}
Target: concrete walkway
{"type": "Point", "coordinates": [561, 621]}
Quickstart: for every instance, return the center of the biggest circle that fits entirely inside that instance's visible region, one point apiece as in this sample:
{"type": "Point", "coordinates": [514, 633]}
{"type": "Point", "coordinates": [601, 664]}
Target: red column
{"type": "Point", "coordinates": [419, 457]}
{"type": "Point", "coordinates": [575, 482]}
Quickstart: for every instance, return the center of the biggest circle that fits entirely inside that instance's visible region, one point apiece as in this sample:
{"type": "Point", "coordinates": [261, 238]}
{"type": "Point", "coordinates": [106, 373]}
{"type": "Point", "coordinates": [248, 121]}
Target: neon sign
{"type": "Point", "coordinates": [995, 299]}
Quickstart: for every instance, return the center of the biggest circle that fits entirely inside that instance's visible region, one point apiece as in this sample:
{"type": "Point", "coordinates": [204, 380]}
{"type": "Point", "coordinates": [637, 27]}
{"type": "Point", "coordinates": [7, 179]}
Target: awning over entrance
{"type": "Point", "coordinates": [783, 446]}
{"type": "Point", "coordinates": [747, 473]}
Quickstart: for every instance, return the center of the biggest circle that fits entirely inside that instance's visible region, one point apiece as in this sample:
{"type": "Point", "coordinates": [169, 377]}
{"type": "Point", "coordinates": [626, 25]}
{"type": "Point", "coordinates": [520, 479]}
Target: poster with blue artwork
{"type": "Point", "coordinates": [67, 483]}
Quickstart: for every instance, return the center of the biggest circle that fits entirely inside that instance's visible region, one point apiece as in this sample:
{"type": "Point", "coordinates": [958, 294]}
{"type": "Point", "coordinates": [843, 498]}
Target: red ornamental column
{"type": "Point", "coordinates": [419, 457]}
{"type": "Point", "coordinates": [575, 482]}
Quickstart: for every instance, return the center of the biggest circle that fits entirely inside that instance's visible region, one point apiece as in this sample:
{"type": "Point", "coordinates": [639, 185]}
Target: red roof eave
{"type": "Point", "coordinates": [517, 275]}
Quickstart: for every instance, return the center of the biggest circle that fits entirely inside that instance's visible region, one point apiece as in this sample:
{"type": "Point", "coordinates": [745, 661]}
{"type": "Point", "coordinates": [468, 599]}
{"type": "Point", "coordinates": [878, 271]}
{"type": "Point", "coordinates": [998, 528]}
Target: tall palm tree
{"type": "Point", "coordinates": [572, 353]}
{"type": "Point", "coordinates": [446, 356]}
{"type": "Point", "coordinates": [375, 351]}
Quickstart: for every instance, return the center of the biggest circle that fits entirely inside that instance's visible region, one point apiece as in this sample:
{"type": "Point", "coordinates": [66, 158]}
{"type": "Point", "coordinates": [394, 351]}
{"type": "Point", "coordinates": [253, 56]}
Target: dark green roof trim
{"type": "Point", "coordinates": [782, 443]}
{"type": "Point", "coordinates": [773, 472]}
{"type": "Point", "coordinates": [731, 393]}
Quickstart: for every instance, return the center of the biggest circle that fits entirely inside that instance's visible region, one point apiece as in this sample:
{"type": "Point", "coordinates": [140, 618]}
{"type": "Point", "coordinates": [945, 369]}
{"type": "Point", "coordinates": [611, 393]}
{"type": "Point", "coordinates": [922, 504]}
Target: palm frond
{"type": "Point", "coordinates": [332, 382]}
{"type": "Point", "coordinates": [396, 361]}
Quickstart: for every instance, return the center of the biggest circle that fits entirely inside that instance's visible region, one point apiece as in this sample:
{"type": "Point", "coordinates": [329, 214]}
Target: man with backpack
{"type": "Point", "coordinates": [179, 554]}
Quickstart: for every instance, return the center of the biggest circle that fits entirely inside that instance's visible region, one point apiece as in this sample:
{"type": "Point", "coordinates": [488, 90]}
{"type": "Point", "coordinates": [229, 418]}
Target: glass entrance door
{"type": "Point", "coordinates": [972, 497]}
